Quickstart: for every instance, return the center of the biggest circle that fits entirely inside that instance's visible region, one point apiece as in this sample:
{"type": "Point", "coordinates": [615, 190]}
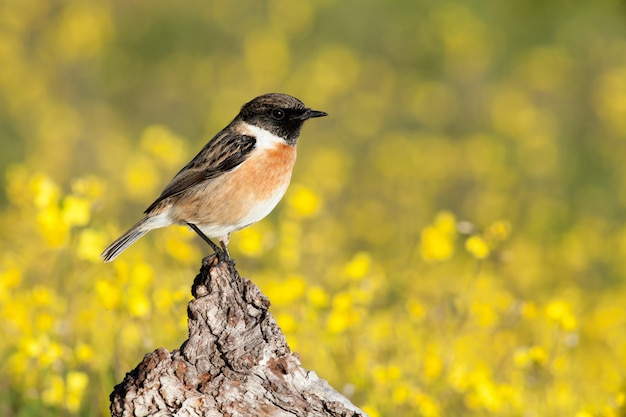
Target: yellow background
{"type": "Point", "coordinates": [453, 239]}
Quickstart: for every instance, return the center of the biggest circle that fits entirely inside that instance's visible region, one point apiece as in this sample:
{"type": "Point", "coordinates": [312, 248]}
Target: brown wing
{"type": "Point", "coordinates": [224, 152]}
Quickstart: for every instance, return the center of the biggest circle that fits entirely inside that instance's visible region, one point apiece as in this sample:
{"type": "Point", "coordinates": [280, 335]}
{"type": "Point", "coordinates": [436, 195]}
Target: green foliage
{"type": "Point", "coordinates": [452, 242]}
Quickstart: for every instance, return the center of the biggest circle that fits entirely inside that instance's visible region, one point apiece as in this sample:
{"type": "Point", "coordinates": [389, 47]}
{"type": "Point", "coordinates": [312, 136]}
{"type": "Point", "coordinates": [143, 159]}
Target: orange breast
{"type": "Point", "coordinates": [230, 197]}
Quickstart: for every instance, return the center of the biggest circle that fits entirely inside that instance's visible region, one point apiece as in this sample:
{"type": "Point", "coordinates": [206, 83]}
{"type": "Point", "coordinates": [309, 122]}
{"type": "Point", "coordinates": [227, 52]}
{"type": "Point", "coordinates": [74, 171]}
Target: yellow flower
{"type": "Point", "coordinates": [433, 366]}
{"type": "Point", "coordinates": [76, 210]}
{"type": "Point", "coordinates": [438, 239]}
{"type": "Point", "coordinates": [83, 353]}
{"type": "Point", "coordinates": [286, 292]}
{"type": "Point", "coordinates": [286, 322]}
{"type": "Point", "coordinates": [165, 145]}
{"type": "Point", "coordinates": [400, 394]}
{"type": "Point", "coordinates": [304, 200]}
{"type": "Point", "coordinates": [76, 384]}
{"type": "Point", "coordinates": [359, 265]}
{"type": "Point", "coordinates": [141, 178]}
{"type": "Point", "coordinates": [370, 411]}
{"type": "Point", "coordinates": [45, 191]}
{"type": "Point", "coordinates": [180, 249]}
{"type": "Point", "coordinates": [416, 310]}
{"type": "Point", "coordinates": [477, 246]}
{"type": "Point", "coordinates": [498, 231]}
{"type": "Point", "coordinates": [318, 297]}
{"type": "Point", "coordinates": [428, 406]}
{"type": "Point", "coordinates": [338, 321]}
{"type": "Point", "coordinates": [138, 304]}
{"type": "Point", "coordinates": [109, 294]}
{"type": "Point", "coordinates": [52, 226]}
{"type": "Point", "coordinates": [525, 357]}
{"type": "Point", "coordinates": [54, 394]}
{"type": "Point", "coordinates": [561, 312]}
{"type": "Point", "coordinates": [250, 241]}
{"type": "Point", "coordinates": [90, 244]}
{"type": "Point", "coordinates": [89, 187]}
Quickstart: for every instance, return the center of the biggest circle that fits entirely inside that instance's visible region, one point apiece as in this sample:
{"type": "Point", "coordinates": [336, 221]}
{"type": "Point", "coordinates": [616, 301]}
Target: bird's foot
{"type": "Point", "coordinates": [221, 254]}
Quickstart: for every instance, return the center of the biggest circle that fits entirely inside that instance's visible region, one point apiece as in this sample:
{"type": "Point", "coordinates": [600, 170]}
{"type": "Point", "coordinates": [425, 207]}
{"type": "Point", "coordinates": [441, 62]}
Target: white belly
{"type": "Point", "coordinates": [257, 212]}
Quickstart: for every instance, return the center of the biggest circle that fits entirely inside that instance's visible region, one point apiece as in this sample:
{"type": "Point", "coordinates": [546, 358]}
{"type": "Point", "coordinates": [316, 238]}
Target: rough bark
{"type": "Point", "coordinates": [236, 362]}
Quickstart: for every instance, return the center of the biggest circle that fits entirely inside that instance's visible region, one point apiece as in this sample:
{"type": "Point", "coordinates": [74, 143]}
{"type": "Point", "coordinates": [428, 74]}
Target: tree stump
{"type": "Point", "coordinates": [236, 362]}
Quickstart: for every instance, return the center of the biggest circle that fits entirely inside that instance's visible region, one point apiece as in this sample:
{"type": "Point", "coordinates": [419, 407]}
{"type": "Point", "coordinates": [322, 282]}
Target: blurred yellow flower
{"type": "Point", "coordinates": [165, 145]}
{"type": "Point", "coordinates": [338, 321]}
{"type": "Point", "coordinates": [359, 265]}
{"type": "Point", "coordinates": [477, 247]}
{"type": "Point", "coordinates": [109, 294]}
{"type": "Point", "coordinates": [498, 231]}
{"type": "Point", "coordinates": [561, 312]}
{"type": "Point", "coordinates": [433, 366]}
{"type": "Point", "coordinates": [370, 411]}
{"type": "Point", "coordinates": [10, 277]}
{"type": "Point", "coordinates": [141, 178]}
{"type": "Point", "coordinates": [76, 384]}
{"type": "Point", "coordinates": [83, 353]}
{"type": "Point", "coordinates": [162, 299]}
{"type": "Point", "coordinates": [54, 394]}
{"type": "Point", "coordinates": [44, 321]}
{"type": "Point", "coordinates": [45, 191]}
{"type": "Point", "coordinates": [141, 275]}
{"type": "Point", "coordinates": [287, 291]}
{"type": "Point", "coordinates": [90, 245]}
{"type": "Point", "coordinates": [524, 357]}
{"type": "Point", "coordinates": [42, 296]}
{"type": "Point", "coordinates": [416, 310]}
{"type": "Point", "coordinates": [179, 249]}
{"type": "Point", "coordinates": [400, 394]}
{"type": "Point", "coordinates": [318, 297]}
{"type": "Point", "coordinates": [387, 374]}
{"type": "Point", "coordinates": [250, 242]}
{"type": "Point", "coordinates": [138, 304]}
{"type": "Point", "coordinates": [458, 377]}
{"type": "Point", "coordinates": [529, 310]}
{"type": "Point", "coordinates": [90, 187]}
{"type": "Point", "coordinates": [484, 313]}
{"type": "Point", "coordinates": [52, 353]}
{"type": "Point", "coordinates": [438, 239]}
{"type": "Point", "coordinates": [76, 210]}
{"type": "Point", "coordinates": [286, 322]}
{"type": "Point", "coordinates": [304, 201]}
{"type": "Point", "coordinates": [52, 227]}
{"type": "Point", "coordinates": [427, 406]}
{"type": "Point", "coordinates": [436, 246]}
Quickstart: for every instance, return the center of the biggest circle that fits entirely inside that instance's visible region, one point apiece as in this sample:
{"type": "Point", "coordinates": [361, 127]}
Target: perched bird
{"type": "Point", "coordinates": [237, 178]}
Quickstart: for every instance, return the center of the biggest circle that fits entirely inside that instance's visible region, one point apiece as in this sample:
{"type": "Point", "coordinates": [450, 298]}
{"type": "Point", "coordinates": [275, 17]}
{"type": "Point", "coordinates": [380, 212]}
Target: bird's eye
{"type": "Point", "coordinates": [278, 114]}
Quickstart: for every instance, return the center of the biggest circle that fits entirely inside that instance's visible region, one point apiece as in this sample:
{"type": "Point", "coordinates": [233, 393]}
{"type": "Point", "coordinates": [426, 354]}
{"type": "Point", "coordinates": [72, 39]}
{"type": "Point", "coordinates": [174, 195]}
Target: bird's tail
{"type": "Point", "coordinates": [141, 228]}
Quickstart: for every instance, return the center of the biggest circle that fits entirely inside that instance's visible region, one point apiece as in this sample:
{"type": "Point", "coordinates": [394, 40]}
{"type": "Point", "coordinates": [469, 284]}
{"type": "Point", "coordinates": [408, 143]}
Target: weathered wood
{"type": "Point", "coordinates": [236, 362]}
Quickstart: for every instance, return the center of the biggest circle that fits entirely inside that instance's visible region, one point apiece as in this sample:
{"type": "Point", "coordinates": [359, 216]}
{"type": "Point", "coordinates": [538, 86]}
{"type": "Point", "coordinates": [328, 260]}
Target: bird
{"type": "Point", "coordinates": [235, 180]}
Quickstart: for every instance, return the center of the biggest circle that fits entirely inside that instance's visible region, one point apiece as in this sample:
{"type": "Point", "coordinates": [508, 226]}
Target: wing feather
{"type": "Point", "coordinates": [222, 154]}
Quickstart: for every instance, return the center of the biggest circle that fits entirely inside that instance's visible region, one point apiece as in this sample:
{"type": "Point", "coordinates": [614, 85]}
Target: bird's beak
{"type": "Point", "coordinates": [309, 114]}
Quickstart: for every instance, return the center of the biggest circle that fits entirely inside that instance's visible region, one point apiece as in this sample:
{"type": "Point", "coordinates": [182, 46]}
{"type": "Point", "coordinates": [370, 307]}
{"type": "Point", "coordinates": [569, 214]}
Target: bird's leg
{"type": "Point", "coordinates": [224, 242]}
{"type": "Point", "coordinates": [221, 254]}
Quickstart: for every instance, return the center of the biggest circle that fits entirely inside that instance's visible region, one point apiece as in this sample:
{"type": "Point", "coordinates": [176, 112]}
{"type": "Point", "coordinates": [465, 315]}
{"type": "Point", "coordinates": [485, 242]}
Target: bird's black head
{"type": "Point", "coordinates": [281, 114]}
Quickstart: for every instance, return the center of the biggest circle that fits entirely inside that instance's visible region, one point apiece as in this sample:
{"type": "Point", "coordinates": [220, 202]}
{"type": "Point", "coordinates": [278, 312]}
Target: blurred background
{"type": "Point", "coordinates": [453, 239]}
